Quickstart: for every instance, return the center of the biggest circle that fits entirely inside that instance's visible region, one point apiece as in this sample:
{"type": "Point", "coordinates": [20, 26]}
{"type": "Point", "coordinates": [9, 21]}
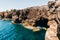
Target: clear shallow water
{"type": "Point", "coordinates": [10, 31]}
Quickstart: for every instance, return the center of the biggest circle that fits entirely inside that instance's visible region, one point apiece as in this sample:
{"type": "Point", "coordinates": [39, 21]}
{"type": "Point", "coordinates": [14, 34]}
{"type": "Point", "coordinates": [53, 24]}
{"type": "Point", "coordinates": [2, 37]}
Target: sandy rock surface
{"type": "Point", "coordinates": [51, 33]}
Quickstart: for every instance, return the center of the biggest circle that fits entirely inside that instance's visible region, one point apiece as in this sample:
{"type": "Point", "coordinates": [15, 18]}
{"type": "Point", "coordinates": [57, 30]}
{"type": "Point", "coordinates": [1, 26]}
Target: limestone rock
{"type": "Point", "coordinates": [38, 16]}
{"type": "Point", "coordinates": [51, 33]}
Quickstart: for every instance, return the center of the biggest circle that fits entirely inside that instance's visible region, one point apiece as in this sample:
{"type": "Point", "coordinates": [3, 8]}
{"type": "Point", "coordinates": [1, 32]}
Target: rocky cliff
{"type": "Point", "coordinates": [38, 16]}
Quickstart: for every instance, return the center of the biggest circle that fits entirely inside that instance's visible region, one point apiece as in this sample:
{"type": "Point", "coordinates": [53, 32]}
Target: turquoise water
{"type": "Point", "coordinates": [10, 31]}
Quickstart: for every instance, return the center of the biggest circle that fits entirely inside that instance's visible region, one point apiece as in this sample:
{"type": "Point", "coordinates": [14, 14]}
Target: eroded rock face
{"type": "Point", "coordinates": [38, 15]}
{"type": "Point", "coordinates": [51, 33]}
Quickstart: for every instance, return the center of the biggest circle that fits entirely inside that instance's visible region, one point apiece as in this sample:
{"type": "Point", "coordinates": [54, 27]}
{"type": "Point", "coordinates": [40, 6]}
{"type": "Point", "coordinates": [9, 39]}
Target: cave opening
{"type": "Point", "coordinates": [42, 22]}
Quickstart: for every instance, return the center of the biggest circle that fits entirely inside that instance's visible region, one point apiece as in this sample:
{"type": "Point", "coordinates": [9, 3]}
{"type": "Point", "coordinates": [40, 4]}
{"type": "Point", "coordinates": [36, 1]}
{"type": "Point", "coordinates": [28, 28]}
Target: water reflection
{"type": "Point", "coordinates": [10, 31]}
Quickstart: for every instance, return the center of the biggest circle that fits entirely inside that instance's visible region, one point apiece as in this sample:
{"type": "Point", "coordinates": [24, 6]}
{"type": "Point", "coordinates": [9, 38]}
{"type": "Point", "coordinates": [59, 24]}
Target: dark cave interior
{"type": "Point", "coordinates": [42, 23]}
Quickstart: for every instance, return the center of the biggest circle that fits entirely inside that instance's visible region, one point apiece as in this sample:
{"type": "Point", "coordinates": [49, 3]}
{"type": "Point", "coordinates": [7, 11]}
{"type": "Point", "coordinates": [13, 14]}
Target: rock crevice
{"type": "Point", "coordinates": [38, 16]}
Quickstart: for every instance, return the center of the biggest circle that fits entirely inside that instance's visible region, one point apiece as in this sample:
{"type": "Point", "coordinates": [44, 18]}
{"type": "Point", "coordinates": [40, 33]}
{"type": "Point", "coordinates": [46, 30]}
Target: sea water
{"type": "Point", "coordinates": [10, 31]}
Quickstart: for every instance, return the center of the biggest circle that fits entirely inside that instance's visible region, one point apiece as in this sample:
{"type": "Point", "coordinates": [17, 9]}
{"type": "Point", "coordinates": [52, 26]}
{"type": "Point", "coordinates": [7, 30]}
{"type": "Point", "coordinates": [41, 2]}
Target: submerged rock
{"type": "Point", "coordinates": [38, 16]}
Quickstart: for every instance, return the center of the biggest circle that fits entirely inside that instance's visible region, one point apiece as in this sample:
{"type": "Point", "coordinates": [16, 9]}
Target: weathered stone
{"type": "Point", "coordinates": [57, 3]}
{"type": "Point", "coordinates": [41, 15]}
{"type": "Point", "coordinates": [51, 33]}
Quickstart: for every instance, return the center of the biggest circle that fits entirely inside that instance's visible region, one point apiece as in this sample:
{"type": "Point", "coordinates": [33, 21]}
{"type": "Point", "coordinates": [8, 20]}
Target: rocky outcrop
{"type": "Point", "coordinates": [38, 16]}
{"type": "Point", "coordinates": [51, 33]}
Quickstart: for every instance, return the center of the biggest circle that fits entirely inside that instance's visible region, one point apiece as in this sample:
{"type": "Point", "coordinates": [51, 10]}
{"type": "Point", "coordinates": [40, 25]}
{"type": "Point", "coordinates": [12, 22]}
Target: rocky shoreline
{"type": "Point", "coordinates": [42, 16]}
